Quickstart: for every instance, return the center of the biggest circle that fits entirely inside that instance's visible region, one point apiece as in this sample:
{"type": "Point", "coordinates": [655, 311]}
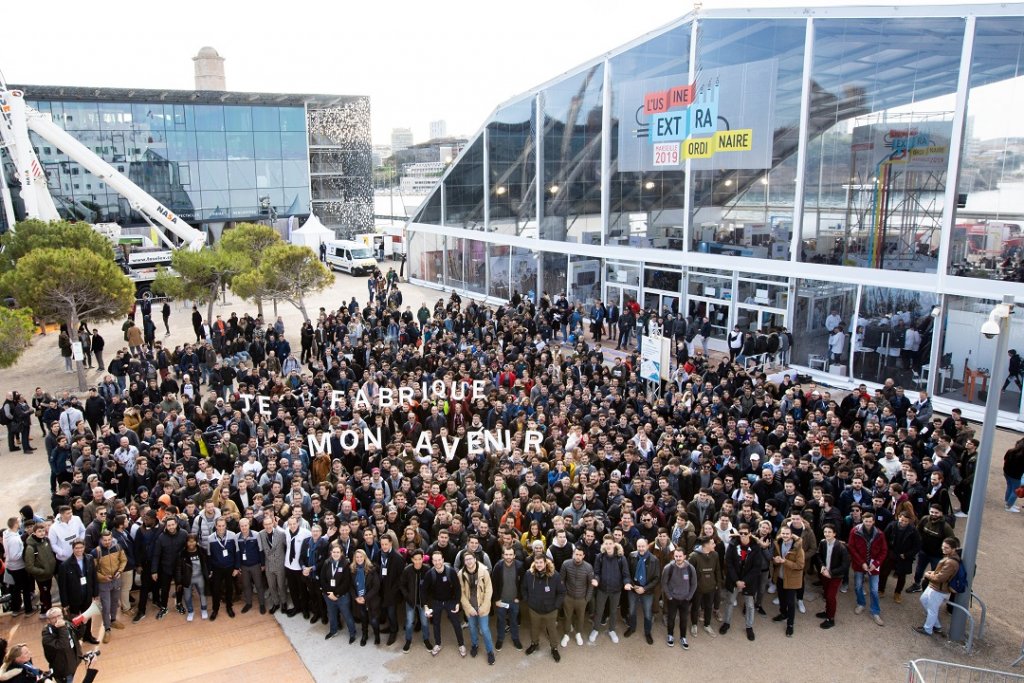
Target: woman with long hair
{"type": "Point", "coordinates": [366, 595]}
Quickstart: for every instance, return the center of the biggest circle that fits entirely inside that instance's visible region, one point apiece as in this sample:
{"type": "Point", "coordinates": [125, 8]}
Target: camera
{"type": "Point", "coordinates": [990, 329]}
{"type": "Point", "coordinates": [89, 656]}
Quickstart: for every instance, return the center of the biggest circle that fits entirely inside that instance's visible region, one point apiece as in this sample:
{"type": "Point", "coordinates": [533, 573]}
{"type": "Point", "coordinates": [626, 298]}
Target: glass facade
{"type": "Point", "coordinates": [783, 170]}
{"type": "Point", "coordinates": [204, 162]}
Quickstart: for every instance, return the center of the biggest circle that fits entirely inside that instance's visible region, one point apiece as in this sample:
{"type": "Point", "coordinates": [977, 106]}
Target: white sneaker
{"type": "Point", "coordinates": [593, 636]}
{"type": "Point", "coordinates": [771, 588]}
{"type": "Point", "coordinates": [961, 514]}
{"type": "Point", "coordinates": [437, 648]}
{"type": "Point", "coordinates": [775, 601]}
{"type": "Point", "coordinates": [710, 631]}
{"type": "Point", "coordinates": [579, 638]}
{"type": "Point", "coordinates": [859, 609]}
{"type": "Point", "coordinates": [614, 636]}
{"type": "Point", "coordinates": [204, 614]}
{"type": "Point", "coordinates": [800, 606]}
{"type": "Point", "coordinates": [191, 615]}
{"type": "Point", "coordinates": [565, 640]}
{"type": "Point", "coordinates": [462, 650]}
{"type": "Point", "coordinates": [1013, 508]}
{"type": "Point", "coordinates": [693, 629]}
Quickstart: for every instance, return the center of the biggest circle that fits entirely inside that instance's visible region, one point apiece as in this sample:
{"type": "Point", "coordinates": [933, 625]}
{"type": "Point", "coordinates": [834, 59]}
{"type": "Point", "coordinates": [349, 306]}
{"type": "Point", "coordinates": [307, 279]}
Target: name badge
{"type": "Point", "coordinates": [443, 579]}
{"type": "Point", "coordinates": [332, 583]}
{"type": "Point", "coordinates": [243, 557]}
{"type": "Point", "coordinates": [83, 580]}
{"type": "Point", "coordinates": [224, 552]}
{"type": "Point", "coordinates": [547, 589]}
{"type": "Point", "coordinates": [384, 571]}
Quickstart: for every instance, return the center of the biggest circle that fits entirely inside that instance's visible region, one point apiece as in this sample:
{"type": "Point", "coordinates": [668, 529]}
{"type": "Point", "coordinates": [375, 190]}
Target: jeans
{"type": "Point", "coordinates": [674, 607]}
{"type": "Point", "coordinates": [200, 586]}
{"type": "Point", "coordinates": [1011, 490]}
{"type": "Point", "coordinates": [922, 562]}
{"type": "Point", "coordinates": [342, 606]}
{"type": "Point", "coordinates": [646, 601]}
{"type": "Point", "coordinates": [932, 600]}
{"type": "Point", "coordinates": [748, 603]}
{"type": "Point", "coordinates": [510, 615]}
{"type": "Point", "coordinates": [858, 589]}
{"type": "Point", "coordinates": [410, 619]}
{"type": "Point", "coordinates": [480, 626]}
{"type": "Point", "coordinates": [442, 608]}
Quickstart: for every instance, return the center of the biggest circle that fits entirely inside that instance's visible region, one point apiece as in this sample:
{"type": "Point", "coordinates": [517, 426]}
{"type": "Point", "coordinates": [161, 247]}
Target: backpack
{"type": "Point", "coordinates": [958, 584]}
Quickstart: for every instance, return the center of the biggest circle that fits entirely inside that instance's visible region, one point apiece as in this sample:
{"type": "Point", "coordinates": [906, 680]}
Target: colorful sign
{"type": "Point", "coordinates": [723, 120]}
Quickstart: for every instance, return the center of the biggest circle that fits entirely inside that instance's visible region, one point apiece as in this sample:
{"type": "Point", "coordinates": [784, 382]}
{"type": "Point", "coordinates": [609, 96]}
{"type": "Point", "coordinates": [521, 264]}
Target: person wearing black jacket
{"type": "Point", "coordinates": [833, 563]}
{"type": "Point", "coordinates": [390, 565]}
{"type": "Point", "coordinates": [312, 554]}
{"type": "Point", "coordinates": [62, 648]}
{"type": "Point", "coordinates": [645, 569]}
{"type": "Point", "coordinates": [743, 567]}
{"type": "Point", "coordinates": [192, 557]}
{"type": "Point", "coordinates": [365, 592]}
{"type": "Point", "coordinates": [166, 549]}
{"type": "Point", "coordinates": [543, 592]}
{"type": "Point", "coordinates": [506, 595]}
{"type": "Point", "coordinates": [414, 594]}
{"type": "Point", "coordinates": [904, 543]}
{"type": "Point", "coordinates": [443, 595]}
{"type": "Point", "coordinates": [76, 581]}
{"type": "Point", "coordinates": [223, 560]}
{"type": "Point", "coordinates": [335, 583]}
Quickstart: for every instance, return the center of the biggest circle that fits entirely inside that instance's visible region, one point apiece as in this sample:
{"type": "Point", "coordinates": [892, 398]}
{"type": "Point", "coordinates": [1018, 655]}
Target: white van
{"type": "Point", "coordinates": [350, 257]}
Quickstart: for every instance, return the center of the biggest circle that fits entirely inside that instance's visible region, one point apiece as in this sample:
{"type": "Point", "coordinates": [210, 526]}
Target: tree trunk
{"type": "Point", "coordinates": [259, 306]}
{"type": "Point", "coordinates": [72, 322]}
{"type": "Point", "coordinates": [300, 304]}
{"type": "Point", "coordinates": [209, 305]}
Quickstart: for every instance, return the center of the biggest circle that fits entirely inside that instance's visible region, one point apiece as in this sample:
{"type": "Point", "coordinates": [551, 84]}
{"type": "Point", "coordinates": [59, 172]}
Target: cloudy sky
{"type": "Point", "coordinates": [418, 61]}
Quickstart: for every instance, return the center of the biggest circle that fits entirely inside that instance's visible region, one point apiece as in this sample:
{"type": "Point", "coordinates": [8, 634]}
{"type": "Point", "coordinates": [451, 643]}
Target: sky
{"type": "Point", "coordinates": [418, 61]}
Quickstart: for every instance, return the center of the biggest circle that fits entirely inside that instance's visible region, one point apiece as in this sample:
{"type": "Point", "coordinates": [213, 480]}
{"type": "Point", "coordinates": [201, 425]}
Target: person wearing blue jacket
{"type": "Point", "coordinates": [250, 566]}
{"type": "Point", "coordinates": [224, 562]}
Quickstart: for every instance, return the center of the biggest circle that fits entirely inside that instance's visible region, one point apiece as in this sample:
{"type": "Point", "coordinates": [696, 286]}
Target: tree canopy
{"type": "Point", "coordinates": [248, 243]}
{"type": "Point", "coordinates": [16, 329]}
{"type": "Point", "coordinates": [31, 235]}
{"type": "Point", "coordinates": [287, 272]}
{"type": "Point", "coordinates": [198, 275]}
{"type": "Point", "coordinates": [71, 286]}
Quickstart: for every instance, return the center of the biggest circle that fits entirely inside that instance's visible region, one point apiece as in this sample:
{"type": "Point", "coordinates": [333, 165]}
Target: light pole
{"type": "Point", "coordinates": [998, 326]}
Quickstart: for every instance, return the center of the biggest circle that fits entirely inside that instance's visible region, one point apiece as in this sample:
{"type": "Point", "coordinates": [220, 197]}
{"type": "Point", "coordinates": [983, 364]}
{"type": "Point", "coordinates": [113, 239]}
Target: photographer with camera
{"type": "Point", "coordinates": [63, 650]}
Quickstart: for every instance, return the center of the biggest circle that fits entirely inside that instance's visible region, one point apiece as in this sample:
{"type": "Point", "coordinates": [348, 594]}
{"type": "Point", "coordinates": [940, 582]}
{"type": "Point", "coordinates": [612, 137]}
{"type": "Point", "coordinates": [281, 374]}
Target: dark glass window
{"type": "Point", "coordinates": [513, 167]}
{"type": "Point", "coordinates": [464, 189]}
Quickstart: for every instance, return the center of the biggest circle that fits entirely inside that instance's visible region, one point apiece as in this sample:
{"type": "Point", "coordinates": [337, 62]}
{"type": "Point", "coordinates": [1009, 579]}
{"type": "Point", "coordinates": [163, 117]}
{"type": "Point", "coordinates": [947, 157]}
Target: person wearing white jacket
{"type": "Point", "coordinates": [18, 578]}
{"type": "Point", "coordinates": [65, 530]}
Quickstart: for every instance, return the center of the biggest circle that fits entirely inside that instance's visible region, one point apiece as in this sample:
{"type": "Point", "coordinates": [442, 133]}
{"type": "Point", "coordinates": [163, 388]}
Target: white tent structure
{"type": "Point", "coordinates": [312, 234]}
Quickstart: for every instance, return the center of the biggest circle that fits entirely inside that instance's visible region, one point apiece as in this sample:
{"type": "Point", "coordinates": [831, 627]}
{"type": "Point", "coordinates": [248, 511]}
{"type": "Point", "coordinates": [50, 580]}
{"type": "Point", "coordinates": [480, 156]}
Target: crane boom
{"type": "Point", "coordinates": [18, 118]}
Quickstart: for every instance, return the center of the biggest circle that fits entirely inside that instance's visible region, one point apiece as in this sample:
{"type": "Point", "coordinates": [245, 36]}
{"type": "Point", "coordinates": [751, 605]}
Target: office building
{"type": "Point", "coordinates": [438, 129]}
{"type": "Point", "coordinates": [401, 138]}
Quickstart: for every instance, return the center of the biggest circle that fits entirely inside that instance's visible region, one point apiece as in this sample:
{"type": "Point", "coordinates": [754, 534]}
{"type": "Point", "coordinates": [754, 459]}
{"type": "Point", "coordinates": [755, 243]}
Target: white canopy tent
{"type": "Point", "coordinates": [312, 234]}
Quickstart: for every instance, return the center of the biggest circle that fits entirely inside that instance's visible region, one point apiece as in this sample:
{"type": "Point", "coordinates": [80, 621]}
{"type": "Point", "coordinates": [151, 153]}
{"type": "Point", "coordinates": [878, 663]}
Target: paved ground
{"type": "Point", "coordinates": [172, 650]}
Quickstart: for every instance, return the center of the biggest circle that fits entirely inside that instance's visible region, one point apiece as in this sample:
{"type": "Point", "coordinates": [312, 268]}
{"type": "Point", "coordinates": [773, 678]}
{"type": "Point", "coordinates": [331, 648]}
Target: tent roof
{"type": "Point", "coordinates": [313, 226]}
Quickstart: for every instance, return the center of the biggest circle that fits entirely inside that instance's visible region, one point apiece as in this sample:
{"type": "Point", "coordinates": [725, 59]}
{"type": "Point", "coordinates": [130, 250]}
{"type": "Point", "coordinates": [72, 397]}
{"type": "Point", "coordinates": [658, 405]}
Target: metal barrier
{"type": "Point", "coordinates": [934, 671]}
{"type": "Point", "coordinates": [969, 644]}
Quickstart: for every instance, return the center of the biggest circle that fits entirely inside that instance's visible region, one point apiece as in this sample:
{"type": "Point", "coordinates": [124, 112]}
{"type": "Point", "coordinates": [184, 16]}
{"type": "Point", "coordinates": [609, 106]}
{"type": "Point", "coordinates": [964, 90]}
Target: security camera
{"type": "Point", "coordinates": [990, 329]}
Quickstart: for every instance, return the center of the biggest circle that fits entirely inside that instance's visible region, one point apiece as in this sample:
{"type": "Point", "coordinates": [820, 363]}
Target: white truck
{"type": "Point", "coordinates": [138, 257]}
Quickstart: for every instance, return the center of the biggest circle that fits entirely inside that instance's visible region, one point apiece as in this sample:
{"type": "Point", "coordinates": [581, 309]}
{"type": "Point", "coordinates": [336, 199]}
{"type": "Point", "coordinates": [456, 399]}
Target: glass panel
{"type": "Point", "coordinates": [81, 116]}
{"type": "Point", "coordinates": [293, 119]}
{"type": "Point", "coordinates": [498, 271]}
{"type": "Point", "coordinates": [663, 279]}
{"type": "Point", "coordinates": [295, 172]}
{"type": "Point", "coordinates": [821, 309]}
{"type": "Point", "coordinates": [524, 273]}
{"type": "Point", "coordinates": [239, 146]}
{"type": "Point", "coordinates": [894, 337]}
{"type": "Point", "coordinates": [293, 146]}
{"type": "Point", "coordinates": [880, 125]}
{"type": "Point", "coordinates": [646, 202]}
{"type": "Point", "coordinates": [209, 117]}
{"type": "Point", "coordinates": [269, 174]}
{"type": "Point", "coordinates": [572, 159]}
{"type": "Point", "coordinates": [513, 168]}
{"type": "Point", "coordinates": [181, 146]}
{"type": "Point", "coordinates": [554, 283]}
{"type": "Point", "coordinates": [213, 175]}
{"type": "Point", "coordinates": [241, 174]}
{"type": "Point", "coordinates": [744, 130]}
{"type": "Point", "coordinates": [620, 273]}
{"type": "Point", "coordinates": [965, 365]}
{"type": "Point", "coordinates": [455, 256]}
{"type": "Point", "coordinates": [211, 146]}
{"type": "Point", "coordinates": [426, 256]}
{"type": "Point", "coordinates": [475, 265]}
{"type": "Point", "coordinates": [987, 239]}
{"type": "Point", "coordinates": [584, 281]}
{"type": "Point", "coordinates": [238, 118]}
{"type": "Point", "coordinates": [265, 118]}
{"type": "Point", "coordinates": [268, 145]}
{"type": "Point", "coordinates": [464, 189]}
{"type": "Point", "coordinates": [296, 201]}
{"type": "Point", "coordinates": [430, 211]}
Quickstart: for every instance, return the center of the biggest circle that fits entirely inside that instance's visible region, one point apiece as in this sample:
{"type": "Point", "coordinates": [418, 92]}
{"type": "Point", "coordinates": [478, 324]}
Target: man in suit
{"type": "Point", "coordinates": [272, 545]}
{"type": "Point", "coordinates": [390, 565]}
{"type": "Point", "coordinates": [76, 581]}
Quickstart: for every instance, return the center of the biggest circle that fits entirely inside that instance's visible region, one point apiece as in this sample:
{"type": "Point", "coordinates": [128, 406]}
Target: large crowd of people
{"type": "Point", "coordinates": [729, 494]}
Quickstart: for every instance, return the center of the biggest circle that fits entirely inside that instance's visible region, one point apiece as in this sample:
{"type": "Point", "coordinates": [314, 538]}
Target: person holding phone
{"type": "Point", "coordinates": [868, 550]}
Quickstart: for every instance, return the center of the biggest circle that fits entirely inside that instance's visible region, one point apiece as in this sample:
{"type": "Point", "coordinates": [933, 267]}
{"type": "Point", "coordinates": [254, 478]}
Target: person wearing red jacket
{"type": "Point", "coordinates": [868, 550]}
